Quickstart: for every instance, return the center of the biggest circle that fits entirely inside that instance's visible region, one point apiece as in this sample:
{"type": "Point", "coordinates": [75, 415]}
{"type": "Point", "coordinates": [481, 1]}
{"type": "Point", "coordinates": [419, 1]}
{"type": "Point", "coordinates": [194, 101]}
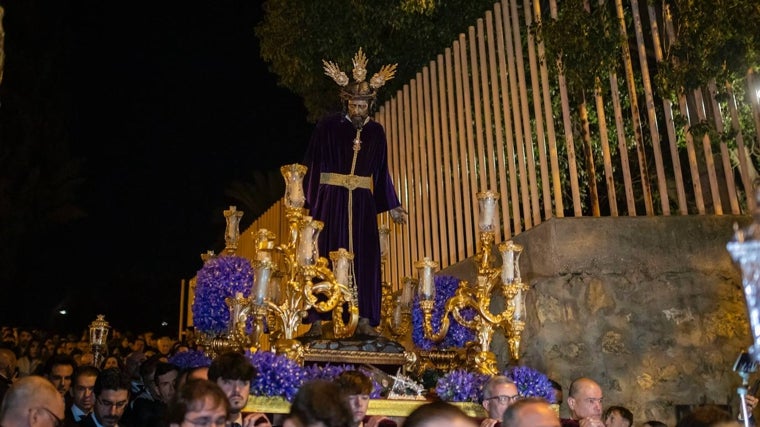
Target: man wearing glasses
{"type": "Point", "coordinates": [111, 397]}
{"type": "Point", "coordinates": [32, 401]}
{"type": "Point", "coordinates": [498, 394]}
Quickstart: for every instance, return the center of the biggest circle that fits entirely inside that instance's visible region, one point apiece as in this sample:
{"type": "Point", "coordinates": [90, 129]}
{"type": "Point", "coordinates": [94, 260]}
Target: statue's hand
{"type": "Point", "coordinates": [399, 215]}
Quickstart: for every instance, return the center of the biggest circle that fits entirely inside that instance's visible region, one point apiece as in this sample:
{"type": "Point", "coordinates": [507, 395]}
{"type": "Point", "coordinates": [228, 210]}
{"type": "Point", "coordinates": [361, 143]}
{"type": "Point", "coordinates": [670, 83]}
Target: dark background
{"type": "Point", "coordinates": [161, 105]}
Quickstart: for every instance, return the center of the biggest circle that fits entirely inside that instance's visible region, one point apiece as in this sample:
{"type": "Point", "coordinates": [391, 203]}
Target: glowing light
{"type": "Point", "coordinates": [63, 312]}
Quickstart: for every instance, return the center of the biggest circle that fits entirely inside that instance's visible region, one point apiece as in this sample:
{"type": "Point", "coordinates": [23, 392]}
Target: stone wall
{"type": "Point", "coordinates": [649, 307]}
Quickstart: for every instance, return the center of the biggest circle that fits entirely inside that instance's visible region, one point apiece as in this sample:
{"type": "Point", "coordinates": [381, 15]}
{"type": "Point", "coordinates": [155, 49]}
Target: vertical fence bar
{"type": "Point", "coordinates": [470, 184]}
{"type": "Point", "coordinates": [440, 164]}
{"type": "Point", "coordinates": [462, 92]}
{"type": "Point", "coordinates": [559, 208]}
{"type": "Point", "coordinates": [495, 147]}
{"type": "Point", "coordinates": [431, 162]}
{"type": "Point", "coordinates": [744, 164]}
{"type": "Point", "coordinates": [568, 129]}
{"type": "Point", "coordinates": [478, 171]}
{"type": "Point", "coordinates": [531, 210]}
{"type": "Point", "coordinates": [709, 160]}
{"type": "Point", "coordinates": [728, 171]}
{"type": "Point", "coordinates": [654, 132]}
{"type": "Point", "coordinates": [517, 154]}
{"type": "Point", "coordinates": [540, 137]}
{"type": "Point", "coordinates": [667, 107]}
{"type": "Point", "coordinates": [506, 153]}
{"type": "Point", "coordinates": [632, 94]}
{"type": "Point", "coordinates": [451, 157]}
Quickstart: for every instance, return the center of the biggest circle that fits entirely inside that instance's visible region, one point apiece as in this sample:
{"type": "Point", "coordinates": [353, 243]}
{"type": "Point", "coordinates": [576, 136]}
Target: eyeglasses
{"type": "Point", "coordinates": [208, 422]}
{"type": "Point", "coordinates": [109, 404]}
{"type": "Point", "coordinates": [57, 422]}
{"type": "Point", "coordinates": [504, 399]}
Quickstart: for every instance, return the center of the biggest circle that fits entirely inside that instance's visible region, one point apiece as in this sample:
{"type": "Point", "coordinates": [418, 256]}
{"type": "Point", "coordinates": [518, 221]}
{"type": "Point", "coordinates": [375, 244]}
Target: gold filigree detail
{"type": "Point", "coordinates": [386, 73]}
{"type": "Point", "coordinates": [333, 70]}
{"type": "Point", "coordinates": [360, 66]}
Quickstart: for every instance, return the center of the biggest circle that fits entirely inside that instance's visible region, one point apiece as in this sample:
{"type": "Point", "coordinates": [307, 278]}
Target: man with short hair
{"type": "Point", "coordinates": [82, 394]}
{"type": "Point", "coordinates": [585, 403]}
{"type": "Point", "coordinates": [233, 373]}
{"type": "Point", "coordinates": [59, 370]}
{"type": "Point", "coordinates": [618, 416]}
{"type": "Point", "coordinates": [498, 394]}
{"type": "Point", "coordinates": [32, 401]}
{"type": "Point", "coordinates": [530, 412]}
{"type": "Point", "coordinates": [111, 397]}
{"type": "Point", "coordinates": [150, 412]}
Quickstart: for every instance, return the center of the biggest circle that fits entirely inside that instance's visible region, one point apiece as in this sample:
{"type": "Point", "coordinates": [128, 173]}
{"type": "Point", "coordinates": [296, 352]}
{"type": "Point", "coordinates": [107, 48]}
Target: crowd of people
{"type": "Point", "coordinates": [53, 381]}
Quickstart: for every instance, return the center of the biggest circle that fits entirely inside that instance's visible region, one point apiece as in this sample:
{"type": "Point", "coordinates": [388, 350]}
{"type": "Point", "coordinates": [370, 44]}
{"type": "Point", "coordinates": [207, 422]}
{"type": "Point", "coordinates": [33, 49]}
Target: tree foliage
{"type": "Point", "coordinates": [297, 34]}
{"type": "Point", "coordinates": [713, 39]}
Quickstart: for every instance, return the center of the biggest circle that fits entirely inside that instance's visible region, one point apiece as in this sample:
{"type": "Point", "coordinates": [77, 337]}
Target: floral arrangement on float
{"type": "Point", "coordinates": [279, 376]}
{"type": "Point", "coordinates": [190, 359]}
{"type": "Point", "coordinates": [458, 336]}
{"type": "Point", "coordinates": [465, 386]}
{"type": "Point", "coordinates": [219, 278]}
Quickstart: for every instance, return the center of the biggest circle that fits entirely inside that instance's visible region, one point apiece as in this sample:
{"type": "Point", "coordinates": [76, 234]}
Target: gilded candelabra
{"type": "Point", "coordinates": [477, 296]}
{"type": "Point", "coordinates": [282, 293]}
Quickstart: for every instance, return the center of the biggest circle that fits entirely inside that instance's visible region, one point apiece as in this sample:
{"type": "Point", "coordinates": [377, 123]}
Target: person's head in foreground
{"type": "Point", "coordinates": [355, 388]}
{"type": "Point", "coordinates": [32, 401]}
{"type": "Point", "coordinates": [618, 416]}
{"type": "Point", "coordinates": [530, 412]}
{"type": "Point", "coordinates": [498, 394]}
{"type": "Point", "coordinates": [439, 414]}
{"type": "Point", "coordinates": [198, 402]}
{"type": "Point", "coordinates": [319, 403]}
{"type": "Point", "coordinates": [708, 416]}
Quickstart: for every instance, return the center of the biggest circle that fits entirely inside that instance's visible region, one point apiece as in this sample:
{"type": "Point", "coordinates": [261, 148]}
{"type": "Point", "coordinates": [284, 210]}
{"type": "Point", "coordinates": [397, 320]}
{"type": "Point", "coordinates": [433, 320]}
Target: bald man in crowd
{"type": "Point", "coordinates": [32, 401]}
{"type": "Point", "coordinates": [585, 403]}
{"type": "Point", "coordinates": [530, 412]}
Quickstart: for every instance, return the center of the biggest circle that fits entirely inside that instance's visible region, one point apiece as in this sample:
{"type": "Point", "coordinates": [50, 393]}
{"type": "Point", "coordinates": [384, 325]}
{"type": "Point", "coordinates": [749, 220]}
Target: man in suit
{"type": "Point", "coordinates": [233, 373]}
{"type": "Point", "coordinates": [111, 397]}
{"type": "Point", "coordinates": [82, 394]}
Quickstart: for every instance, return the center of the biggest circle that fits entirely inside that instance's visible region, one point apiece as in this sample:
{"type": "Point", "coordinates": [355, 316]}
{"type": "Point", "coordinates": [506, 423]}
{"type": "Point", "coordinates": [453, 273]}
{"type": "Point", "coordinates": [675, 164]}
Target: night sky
{"type": "Point", "coordinates": [165, 103]}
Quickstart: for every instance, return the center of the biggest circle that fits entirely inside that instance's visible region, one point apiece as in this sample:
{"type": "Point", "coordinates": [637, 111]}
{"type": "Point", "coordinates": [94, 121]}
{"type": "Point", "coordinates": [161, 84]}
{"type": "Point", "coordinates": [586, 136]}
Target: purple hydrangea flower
{"type": "Point", "coordinates": [461, 386]}
{"type": "Point", "coordinates": [190, 359]}
{"type": "Point", "coordinates": [277, 375]}
{"type": "Point", "coordinates": [531, 383]}
{"type": "Point", "coordinates": [220, 277]}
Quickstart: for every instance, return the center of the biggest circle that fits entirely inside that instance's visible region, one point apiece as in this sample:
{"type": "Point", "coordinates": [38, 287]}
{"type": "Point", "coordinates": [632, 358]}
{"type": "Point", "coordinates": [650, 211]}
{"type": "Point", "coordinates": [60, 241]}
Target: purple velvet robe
{"type": "Point", "coordinates": [331, 150]}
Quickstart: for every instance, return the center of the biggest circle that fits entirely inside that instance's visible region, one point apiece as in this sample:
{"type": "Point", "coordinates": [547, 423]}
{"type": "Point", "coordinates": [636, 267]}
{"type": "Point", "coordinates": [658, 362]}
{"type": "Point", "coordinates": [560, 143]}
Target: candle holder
{"type": "Point", "coordinates": [478, 295]}
{"type": "Point", "coordinates": [98, 339]}
{"type": "Point", "coordinates": [396, 309]}
{"type": "Point", "coordinates": [282, 293]}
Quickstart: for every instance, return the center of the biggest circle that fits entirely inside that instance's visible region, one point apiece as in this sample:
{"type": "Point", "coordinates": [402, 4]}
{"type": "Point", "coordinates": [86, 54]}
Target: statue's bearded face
{"type": "Point", "coordinates": [358, 111]}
